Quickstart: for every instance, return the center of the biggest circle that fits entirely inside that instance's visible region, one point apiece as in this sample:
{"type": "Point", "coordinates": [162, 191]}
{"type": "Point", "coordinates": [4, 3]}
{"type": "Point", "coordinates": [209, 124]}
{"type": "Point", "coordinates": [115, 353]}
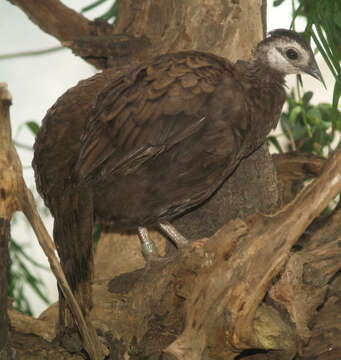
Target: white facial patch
{"type": "Point", "coordinates": [278, 60]}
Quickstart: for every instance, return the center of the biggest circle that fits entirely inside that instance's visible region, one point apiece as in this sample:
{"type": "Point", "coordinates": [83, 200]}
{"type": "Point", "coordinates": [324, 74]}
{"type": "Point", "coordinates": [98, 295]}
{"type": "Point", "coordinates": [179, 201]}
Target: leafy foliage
{"type": "Point", "coordinates": [307, 127]}
{"type": "Point", "coordinates": [33, 126]}
{"type": "Point", "coordinates": [110, 14]}
{"type": "Point", "coordinates": [23, 270]}
{"type": "Point", "coordinates": [21, 276]}
{"type": "Point", "coordinates": [323, 26]}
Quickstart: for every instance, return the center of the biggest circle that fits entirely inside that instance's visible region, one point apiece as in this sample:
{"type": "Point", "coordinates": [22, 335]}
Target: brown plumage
{"type": "Point", "coordinates": [159, 140]}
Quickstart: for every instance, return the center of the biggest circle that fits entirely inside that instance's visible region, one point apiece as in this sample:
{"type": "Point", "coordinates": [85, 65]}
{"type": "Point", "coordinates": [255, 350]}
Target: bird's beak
{"type": "Point", "coordinates": [315, 72]}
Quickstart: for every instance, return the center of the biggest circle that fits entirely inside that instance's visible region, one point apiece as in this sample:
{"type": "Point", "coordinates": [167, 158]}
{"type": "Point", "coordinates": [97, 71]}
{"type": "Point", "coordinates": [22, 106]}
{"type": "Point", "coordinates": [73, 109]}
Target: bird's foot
{"type": "Point", "coordinates": [149, 249]}
{"type": "Point", "coordinates": [169, 230]}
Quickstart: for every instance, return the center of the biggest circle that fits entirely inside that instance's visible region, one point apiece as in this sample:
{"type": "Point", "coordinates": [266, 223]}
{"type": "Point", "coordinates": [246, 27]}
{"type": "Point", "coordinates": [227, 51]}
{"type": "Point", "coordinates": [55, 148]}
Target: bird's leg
{"type": "Point", "coordinates": [149, 249]}
{"type": "Point", "coordinates": [179, 240]}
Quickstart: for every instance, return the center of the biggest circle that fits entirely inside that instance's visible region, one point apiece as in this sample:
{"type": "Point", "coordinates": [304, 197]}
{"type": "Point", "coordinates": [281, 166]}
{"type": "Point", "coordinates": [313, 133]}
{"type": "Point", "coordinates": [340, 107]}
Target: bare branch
{"type": "Point", "coordinates": [293, 169]}
{"type": "Point", "coordinates": [268, 242]}
{"type": "Point", "coordinates": [64, 24]}
{"type": "Point", "coordinates": [56, 19]}
{"type": "Point", "coordinates": [16, 196]}
{"type": "Point", "coordinates": [7, 206]}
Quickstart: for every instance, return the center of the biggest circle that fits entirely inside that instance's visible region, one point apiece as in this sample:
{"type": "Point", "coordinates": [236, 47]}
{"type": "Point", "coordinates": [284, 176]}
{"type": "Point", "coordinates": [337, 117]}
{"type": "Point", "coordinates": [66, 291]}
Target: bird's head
{"type": "Point", "coordinates": [288, 53]}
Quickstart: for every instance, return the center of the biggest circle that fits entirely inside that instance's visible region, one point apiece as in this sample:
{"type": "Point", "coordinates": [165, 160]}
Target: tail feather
{"type": "Point", "coordinates": [72, 234]}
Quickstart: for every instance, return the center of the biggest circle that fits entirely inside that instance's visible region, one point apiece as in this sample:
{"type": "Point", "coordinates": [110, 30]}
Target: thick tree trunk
{"type": "Point", "coordinates": [243, 288]}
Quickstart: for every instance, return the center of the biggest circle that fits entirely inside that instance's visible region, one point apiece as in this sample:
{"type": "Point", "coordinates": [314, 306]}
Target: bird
{"type": "Point", "coordinates": [135, 150]}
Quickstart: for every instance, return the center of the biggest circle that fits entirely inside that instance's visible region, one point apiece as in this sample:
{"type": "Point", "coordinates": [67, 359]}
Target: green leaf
{"type": "Point", "coordinates": [274, 141]}
{"type": "Point", "coordinates": [93, 5]}
{"type": "Point", "coordinates": [315, 117]}
{"type": "Point", "coordinates": [19, 249]}
{"type": "Point", "coordinates": [33, 126]}
{"type": "Point", "coordinates": [277, 2]}
{"type": "Point", "coordinates": [307, 97]}
{"type": "Point", "coordinates": [337, 18]}
{"type": "Point", "coordinates": [336, 98]}
{"type": "Point", "coordinates": [295, 112]}
{"type": "Point", "coordinates": [21, 276]}
{"type": "Point", "coordinates": [112, 12]}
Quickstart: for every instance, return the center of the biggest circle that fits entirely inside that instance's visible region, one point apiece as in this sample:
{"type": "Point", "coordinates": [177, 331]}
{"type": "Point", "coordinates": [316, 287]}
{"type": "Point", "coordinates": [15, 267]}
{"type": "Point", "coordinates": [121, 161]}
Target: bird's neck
{"type": "Point", "coordinates": [260, 75]}
{"type": "Point", "coordinates": [264, 85]}
{"type": "Point", "coordinates": [265, 96]}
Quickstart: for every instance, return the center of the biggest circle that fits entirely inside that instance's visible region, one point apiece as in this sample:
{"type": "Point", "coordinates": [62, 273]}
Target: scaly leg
{"type": "Point", "coordinates": [179, 240]}
{"type": "Point", "coordinates": [149, 249]}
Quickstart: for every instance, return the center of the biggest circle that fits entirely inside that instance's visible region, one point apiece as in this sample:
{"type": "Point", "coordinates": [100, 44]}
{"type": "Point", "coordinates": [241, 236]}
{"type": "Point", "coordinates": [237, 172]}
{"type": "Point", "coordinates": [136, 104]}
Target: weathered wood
{"type": "Point", "coordinates": [16, 196]}
{"type": "Point", "coordinates": [64, 24]}
{"type": "Point", "coordinates": [206, 300]}
{"type": "Point", "coordinates": [7, 207]}
{"type": "Point", "coordinates": [4, 266]}
{"type": "Point", "coordinates": [293, 169]}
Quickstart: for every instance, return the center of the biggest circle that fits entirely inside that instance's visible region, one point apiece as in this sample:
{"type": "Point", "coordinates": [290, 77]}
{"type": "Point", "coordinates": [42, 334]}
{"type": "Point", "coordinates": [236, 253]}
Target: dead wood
{"type": "Point", "coordinates": [326, 327]}
{"type": "Point", "coordinates": [293, 169]}
{"type": "Point", "coordinates": [94, 41]}
{"type": "Point", "coordinates": [16, 196]}
{"type": "Point", "coordinates": [298, 165]}
{"type": "Point", "coordinates": [7, 206]}
{"type": "Point", "coordinates": [207, 299]}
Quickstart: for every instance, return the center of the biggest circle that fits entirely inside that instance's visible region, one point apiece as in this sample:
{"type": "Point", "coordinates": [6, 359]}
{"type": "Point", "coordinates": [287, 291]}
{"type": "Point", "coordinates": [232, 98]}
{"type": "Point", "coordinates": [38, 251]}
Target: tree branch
{"type": "Point", "coordinates": [268, 241]}
{"type": "Point", "coordinates": [56, 19]}
{"type": "Point", "coordinates": [67, 26]}
{"type": "Point", "coordinates": [7, 207]}
{"type": "Point", "coordinates": [16, 196]}
{"type": "Point", "coordinates": [293, 169]}
{"type": "Point", "coordinates": [218, 284]}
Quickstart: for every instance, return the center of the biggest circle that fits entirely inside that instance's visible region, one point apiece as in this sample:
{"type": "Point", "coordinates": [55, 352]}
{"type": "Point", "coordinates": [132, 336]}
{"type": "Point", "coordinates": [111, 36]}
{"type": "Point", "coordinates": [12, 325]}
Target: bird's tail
{"type": "Point", "coordinates": [72, 233]}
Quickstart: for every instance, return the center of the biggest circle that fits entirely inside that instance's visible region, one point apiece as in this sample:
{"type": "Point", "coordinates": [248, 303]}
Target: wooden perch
{"type": "Point", "coordinates": [268, 241]}
{"type": "Point", "coordinates": [208, 299]}
{"type": "Point", "coordinates": [293, 169]}
{"type": "Point", "coordinates": [304, 283]}
{"type": "Point", "coordinates": [7, 207]}
{"type": "Point", "coordinates": [16, 196]}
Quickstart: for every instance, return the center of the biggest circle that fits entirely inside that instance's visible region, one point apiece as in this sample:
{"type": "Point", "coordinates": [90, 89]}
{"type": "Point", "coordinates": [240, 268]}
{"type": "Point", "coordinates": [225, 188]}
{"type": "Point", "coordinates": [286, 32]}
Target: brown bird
{"type": "Point", "coordinates": [159, 140]}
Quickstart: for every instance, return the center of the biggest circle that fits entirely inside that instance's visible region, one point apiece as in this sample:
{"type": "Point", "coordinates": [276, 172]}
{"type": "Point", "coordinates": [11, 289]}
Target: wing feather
{"type": "Point", "coordinates": [147, 111]}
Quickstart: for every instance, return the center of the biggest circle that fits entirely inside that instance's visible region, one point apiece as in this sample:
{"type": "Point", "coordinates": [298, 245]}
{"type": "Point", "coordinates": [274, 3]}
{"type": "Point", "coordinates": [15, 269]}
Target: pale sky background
{"type": "Point", "coordinates": [36, 82]}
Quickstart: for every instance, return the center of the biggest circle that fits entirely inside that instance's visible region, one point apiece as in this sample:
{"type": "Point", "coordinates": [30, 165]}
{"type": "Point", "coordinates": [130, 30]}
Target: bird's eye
{"type": "Point", "coordinates": [292, 54]}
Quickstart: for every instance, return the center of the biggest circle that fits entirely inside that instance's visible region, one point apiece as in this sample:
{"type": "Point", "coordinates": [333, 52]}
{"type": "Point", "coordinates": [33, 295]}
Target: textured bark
{"type": "Point", "coordinates": [15, 196]}
{"type": "Point", "coordinates": [204, 303]}
{"type": "Point", "coordinates": [293, 169]}
{"type": "Point", "coordinates": [7, 207]}
{"type": "Point", "coordinates": [229, 28]}
{"type": "Point", "coordinates": [4, 265]}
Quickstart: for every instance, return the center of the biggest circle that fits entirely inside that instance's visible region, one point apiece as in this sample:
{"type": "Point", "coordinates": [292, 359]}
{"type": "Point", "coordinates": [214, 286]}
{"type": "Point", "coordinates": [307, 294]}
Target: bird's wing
{"type": "Point", "coordinates": [148, 111]}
